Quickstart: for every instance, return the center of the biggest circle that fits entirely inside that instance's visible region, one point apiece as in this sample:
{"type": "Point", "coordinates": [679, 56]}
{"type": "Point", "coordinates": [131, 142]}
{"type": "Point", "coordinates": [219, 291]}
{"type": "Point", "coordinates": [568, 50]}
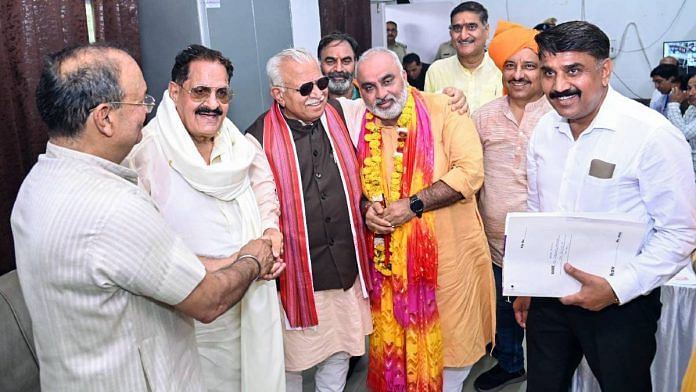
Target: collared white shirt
{"type": "Point", "coordinates": [100, 271]}
{"type": "Point", "coordinates": [652, 181]}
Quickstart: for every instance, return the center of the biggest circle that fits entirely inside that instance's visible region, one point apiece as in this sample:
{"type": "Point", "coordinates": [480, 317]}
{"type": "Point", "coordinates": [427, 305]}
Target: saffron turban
{"type": "Point", "coordinates": [509, 38]}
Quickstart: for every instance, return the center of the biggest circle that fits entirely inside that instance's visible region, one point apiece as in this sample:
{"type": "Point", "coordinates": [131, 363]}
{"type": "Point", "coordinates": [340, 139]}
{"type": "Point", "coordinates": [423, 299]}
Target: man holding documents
{"type": "Point", "coordinates": [601, 152]}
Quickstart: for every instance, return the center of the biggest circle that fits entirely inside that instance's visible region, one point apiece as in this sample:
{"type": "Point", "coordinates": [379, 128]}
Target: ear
{"type": "Point", "coordinates": [607, 67]}
{"type": "Point", "coordinates": [102, 121]}
{"type": "Point", "coordinates": [173, 89]}
{"type": "Point", "coordinates": [277, 94]}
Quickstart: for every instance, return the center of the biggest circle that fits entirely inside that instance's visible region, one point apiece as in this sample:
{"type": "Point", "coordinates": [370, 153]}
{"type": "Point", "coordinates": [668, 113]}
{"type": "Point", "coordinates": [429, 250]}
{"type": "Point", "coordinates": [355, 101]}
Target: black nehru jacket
{"type": "Point", "coordinates": [334, 264]}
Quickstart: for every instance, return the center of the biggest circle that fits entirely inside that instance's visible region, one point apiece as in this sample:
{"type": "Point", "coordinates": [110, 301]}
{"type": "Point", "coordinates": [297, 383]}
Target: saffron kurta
{"type": "Point", "coordinates": [465, 294]}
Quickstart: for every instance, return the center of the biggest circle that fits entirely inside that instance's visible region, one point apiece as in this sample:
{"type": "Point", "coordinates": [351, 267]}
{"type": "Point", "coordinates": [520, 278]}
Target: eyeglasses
{"type": "Point", "coordinates": [458, 28]}
{"type": "Point", "coordinates": [148, 102]}
{"type": "Point", "coordinates": [201, 93]}
{"type": "Point", "coordinates": [306, 88]}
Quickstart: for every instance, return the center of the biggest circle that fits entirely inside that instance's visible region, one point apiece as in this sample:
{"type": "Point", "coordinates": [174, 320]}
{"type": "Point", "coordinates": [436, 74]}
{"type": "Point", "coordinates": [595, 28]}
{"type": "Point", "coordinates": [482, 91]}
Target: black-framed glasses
{"type": "Point", "coordinates": [306, 88]}
{"type": "Point", "coordinates": [201, 93]}
{"type": "Point", "coordinates": [148, 102]}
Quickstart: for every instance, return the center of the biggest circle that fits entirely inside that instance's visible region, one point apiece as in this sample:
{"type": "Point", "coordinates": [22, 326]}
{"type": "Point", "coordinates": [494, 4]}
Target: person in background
{"type": "Point", "coordinates": [445, 50]}
{"type": "Point", "coordinates": [504, 126]}
{"type": "Point", "coordinates": [601, 152]}
{"type": "Point", "coordinates": [687, 122]}
{"type": "Point", "coordinates": [392, 44]}
{"type": "Point", "coordinates": [337, 53]}
{"type": "Point", "coordinates": [665, 77]}
{"type": "Point", "coordinates": [215, 189]}
{"type": "Point", "coordinates": [472, 70]}
{"type": "Point", "coordinates": [110, 288]}
{"type": "Point", "coordinates": [415, 70]}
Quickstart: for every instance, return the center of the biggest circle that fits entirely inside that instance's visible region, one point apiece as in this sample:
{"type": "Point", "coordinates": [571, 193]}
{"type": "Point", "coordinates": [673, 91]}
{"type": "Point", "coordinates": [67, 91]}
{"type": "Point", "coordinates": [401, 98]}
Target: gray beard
{"type": "Point", "coordinates": [394, 111]}
{"type": "Point", "coordinates": [340, 88]}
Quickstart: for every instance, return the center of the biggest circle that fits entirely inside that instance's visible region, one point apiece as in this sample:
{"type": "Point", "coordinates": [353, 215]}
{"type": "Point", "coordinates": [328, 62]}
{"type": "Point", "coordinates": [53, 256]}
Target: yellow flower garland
{"type": "Point", "coordinates": [372, 173]}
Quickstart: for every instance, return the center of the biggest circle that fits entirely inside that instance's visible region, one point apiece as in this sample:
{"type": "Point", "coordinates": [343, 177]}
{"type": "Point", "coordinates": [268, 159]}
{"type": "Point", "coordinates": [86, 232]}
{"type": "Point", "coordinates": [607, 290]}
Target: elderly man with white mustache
{"type": "Point", "coordinates": [471, 70]}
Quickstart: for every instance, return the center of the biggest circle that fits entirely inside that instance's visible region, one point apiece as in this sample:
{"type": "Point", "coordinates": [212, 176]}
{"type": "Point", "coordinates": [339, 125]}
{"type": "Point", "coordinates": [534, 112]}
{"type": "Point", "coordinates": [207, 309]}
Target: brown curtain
{"type": "Point", "coordinates": [116, 21]}
{"type": "Point", "coordinates": [348, 16]}
{"type": "Point", "coordinates": [29, 30]}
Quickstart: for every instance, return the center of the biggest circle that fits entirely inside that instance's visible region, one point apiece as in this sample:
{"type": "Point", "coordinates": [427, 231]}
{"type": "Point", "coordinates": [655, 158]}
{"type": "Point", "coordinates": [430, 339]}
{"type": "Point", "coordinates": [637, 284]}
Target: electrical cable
{"type": "Point", "coordinates": [625, 85]}
{"type": "Point", "coordinates": [669, 26]}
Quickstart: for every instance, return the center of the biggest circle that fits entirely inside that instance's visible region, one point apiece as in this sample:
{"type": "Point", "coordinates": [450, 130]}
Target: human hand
{"type": "Point", "coordinates": [399, 212]}
{"type": "Point", "coordinates": [595, 294]}
{"type": "Point", "coordinates": [457, 100]}
{"type": "Point", "coordinates": [276, 270]}
{"type": "Point", "coordinates": [677, 95]}
{"type": "Point", "coordinates": [276, 238]}
{"type": "Point", "coordinates": [261, 249]}
{"type": "Point", "coordinates": [521, 308]}
{"type": "Point", "coordinates": [375, 221]}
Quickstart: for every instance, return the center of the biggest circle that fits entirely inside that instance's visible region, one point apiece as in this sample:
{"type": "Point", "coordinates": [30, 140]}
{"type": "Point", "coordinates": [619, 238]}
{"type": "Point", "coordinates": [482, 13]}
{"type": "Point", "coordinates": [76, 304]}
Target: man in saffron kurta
{"type": "Point", "coordinates": [434, 203]}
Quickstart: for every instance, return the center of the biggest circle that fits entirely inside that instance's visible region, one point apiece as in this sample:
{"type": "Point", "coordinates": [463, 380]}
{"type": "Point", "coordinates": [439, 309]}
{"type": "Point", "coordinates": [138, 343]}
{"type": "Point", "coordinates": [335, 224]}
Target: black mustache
{"type": "Point", "coordinates": [564, 93]}
{"type": "Point", "coordinates": [519, 80]}
{"type": "Point", "coordinates": [207, 110]}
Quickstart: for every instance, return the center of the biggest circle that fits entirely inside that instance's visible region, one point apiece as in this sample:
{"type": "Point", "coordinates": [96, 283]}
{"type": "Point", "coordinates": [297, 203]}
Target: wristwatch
{"type": "Point", "coordinates": [416, 205]}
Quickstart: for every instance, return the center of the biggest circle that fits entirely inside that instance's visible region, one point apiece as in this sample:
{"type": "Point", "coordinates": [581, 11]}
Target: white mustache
{"type": "Point", "coordinates": [313, 101]}
{"type": "Point", "coordinates": [388, 98]}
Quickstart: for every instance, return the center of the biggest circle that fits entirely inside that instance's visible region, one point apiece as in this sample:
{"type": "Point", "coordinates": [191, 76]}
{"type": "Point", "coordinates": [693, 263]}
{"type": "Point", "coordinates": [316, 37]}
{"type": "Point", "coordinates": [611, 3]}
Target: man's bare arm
{"type": "Point", "coordinates": [438, 195]}
{"type": "Point", "coordinates": [223, 288]}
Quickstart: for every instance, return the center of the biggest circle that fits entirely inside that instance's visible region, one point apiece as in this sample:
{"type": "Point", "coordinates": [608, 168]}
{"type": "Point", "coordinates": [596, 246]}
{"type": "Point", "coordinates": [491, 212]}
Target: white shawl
{"type": "Point", "coordinates": [228, 180]}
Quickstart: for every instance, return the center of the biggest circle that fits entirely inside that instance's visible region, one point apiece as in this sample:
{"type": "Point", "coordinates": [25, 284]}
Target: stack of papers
{"type": "Point", "coordinates": [537, 245]}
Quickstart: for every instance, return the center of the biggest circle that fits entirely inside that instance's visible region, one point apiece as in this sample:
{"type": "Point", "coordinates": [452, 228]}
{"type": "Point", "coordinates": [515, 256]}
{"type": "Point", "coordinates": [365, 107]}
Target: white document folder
{"type": "Point", "coordinates": [537, 245]}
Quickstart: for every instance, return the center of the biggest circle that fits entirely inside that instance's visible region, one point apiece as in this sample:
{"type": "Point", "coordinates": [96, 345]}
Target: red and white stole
{"type": "Point", "coordinates": [296, 287]}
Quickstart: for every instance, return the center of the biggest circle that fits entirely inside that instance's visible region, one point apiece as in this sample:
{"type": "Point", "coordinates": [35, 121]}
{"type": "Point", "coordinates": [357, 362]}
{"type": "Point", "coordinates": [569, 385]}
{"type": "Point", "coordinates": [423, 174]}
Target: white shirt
{"type": "Point", "coordinates": [653, 181]}
{"type": "Point", "coordinates": [100, 269]}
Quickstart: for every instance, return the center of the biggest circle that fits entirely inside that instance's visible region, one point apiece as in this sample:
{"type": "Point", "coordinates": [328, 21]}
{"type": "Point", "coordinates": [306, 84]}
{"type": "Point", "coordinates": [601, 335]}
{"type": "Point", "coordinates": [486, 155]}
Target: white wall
{"type": "Point", "coordinates": [306, 29]}
{"type": "Point", "coordinates": [627, 23]}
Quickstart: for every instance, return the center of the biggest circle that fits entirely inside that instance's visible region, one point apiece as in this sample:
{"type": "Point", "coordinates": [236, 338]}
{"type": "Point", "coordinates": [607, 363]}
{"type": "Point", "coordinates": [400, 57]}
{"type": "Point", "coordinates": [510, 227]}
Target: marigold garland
{"type": "Point", "coordinates": [406, 345]}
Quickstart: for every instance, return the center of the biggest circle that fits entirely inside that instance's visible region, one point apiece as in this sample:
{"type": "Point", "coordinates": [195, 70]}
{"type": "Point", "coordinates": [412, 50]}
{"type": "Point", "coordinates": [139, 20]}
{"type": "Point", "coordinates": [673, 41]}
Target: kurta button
{"type": "Point", "coordinates": [327, 219]}
{"type": "Point", "coordinates": [323, 195]}
{"type": "Point", "coordinates": [331, 242]}
{"type": "Point", "coordinates": [315, 153]}
{"type": "Point", "coordinates": [317, 175]}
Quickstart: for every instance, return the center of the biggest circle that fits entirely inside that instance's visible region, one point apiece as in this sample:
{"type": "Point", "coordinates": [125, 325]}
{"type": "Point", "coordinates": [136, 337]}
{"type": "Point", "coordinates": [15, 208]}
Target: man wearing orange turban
{"type": "Point", "coordinates": [505, 125]}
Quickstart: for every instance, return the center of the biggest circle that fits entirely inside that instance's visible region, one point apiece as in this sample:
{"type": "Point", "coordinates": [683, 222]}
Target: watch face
{"type": "Point", "coordinates": [416, 205]}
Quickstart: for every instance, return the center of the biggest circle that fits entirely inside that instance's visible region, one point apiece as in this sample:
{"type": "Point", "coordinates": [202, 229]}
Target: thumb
{"type": "Point", "coordinates": [580, 275]}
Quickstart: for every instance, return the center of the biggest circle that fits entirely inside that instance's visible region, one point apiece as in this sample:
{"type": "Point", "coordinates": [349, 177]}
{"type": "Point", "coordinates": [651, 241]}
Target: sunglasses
{"type": "Point", "coordinates": [306, 88]}
{"type": "Point", "coordinates": [201, 93]}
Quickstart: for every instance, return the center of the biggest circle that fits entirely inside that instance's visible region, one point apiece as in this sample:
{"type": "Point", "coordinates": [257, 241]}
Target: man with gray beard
{"type": "Point", "coordinates": [421, 166]}
{"type": "Point", "coordinates": [337, 54]}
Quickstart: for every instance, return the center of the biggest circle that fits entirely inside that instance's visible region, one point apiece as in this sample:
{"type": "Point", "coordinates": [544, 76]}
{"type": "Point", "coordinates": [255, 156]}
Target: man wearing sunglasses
{"type": "Point", "coordinates": [215, 189]}
{"type": "Point", "coordinates": [471, 70]}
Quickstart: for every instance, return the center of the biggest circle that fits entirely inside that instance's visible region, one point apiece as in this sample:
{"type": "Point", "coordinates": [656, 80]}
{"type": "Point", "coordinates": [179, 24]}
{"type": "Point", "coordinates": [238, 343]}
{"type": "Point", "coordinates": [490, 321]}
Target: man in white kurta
{"type": "Point", "coordinates": [214, 202]}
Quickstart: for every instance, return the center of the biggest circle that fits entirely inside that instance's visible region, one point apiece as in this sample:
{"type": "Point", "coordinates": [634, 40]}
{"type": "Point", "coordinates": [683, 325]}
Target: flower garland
{"type": "Point", "coordinates": [372, 174]}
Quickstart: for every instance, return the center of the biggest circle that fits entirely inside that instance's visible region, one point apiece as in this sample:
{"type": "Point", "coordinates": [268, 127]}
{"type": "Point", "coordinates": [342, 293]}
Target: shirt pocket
{"type": "Point", "coordinates": [598, 194]}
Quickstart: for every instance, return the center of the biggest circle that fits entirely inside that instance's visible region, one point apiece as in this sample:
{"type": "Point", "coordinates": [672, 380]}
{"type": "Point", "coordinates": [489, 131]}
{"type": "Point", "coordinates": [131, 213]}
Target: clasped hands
{"type": "Point", "coordinates": [268, 249]}
{"type": "Point", "coordinates": [383, 220]}
{"type": "Point", "coordinates": [595, 294]}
